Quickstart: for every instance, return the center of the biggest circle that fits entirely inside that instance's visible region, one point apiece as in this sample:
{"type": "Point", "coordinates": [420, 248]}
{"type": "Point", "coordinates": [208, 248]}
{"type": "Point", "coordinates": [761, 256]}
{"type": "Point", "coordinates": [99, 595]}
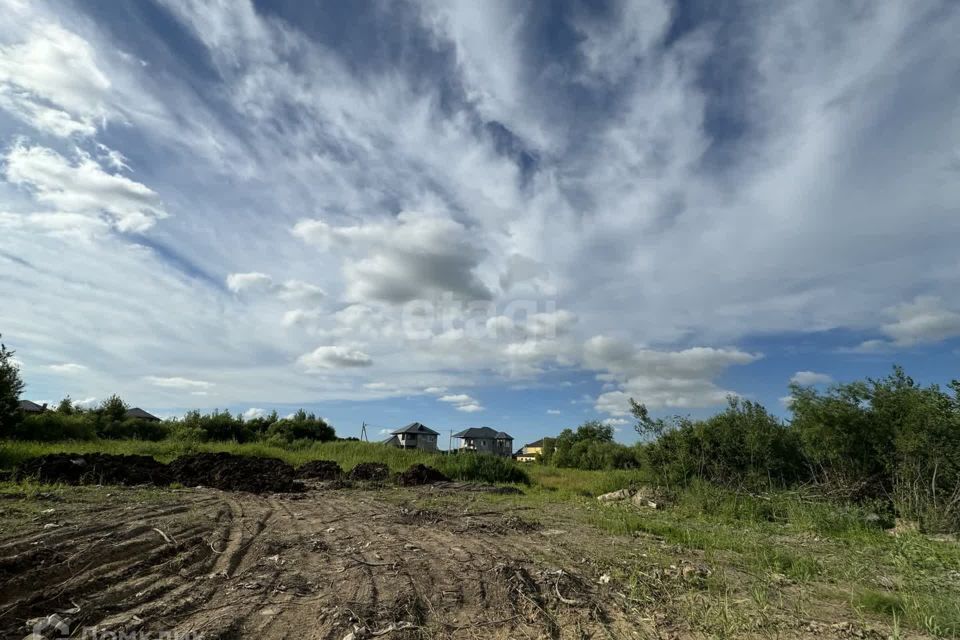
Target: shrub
{"type": "Point", "coordinates": [301, 426]}
{"type": "Point", "coordinates": [742, 446]}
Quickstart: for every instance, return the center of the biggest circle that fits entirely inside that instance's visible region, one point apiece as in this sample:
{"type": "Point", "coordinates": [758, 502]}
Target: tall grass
{"type": "Point", "coordinates": [467, 467]}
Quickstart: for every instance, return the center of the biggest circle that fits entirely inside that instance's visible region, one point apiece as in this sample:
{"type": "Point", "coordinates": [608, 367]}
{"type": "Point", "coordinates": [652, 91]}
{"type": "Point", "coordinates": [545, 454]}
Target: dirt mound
{"type": "Point", "coordinates": [320, 470]}
{"type": "Point", "coordinates": [94, 468]}
{"type": "Point", "coordinates": [420, 474]}
{"type": "Point", "coordinates": [370, 471]}
{"type": "Point", "coordinates": [235, 473]}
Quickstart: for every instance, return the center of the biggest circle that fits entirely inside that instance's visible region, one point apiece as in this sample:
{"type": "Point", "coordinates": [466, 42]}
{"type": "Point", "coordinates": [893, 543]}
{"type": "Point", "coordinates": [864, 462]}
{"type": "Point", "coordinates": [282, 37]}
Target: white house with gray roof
{"type": "Point", "coordinates": [485, 440]}
{"type": "Point", "coordinates": [413, 436]}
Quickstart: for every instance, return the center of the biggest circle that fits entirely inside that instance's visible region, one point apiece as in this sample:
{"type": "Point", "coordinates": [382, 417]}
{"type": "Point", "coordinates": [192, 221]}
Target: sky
{"type": "Point", "coordinates": [507, 214]}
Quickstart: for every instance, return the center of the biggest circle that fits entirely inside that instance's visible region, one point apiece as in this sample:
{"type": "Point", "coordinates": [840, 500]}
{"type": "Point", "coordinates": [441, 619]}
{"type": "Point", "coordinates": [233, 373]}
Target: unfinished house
{"type": "Point", "coordinates": [485, 440]}
{"type": "Point", "coordinates": [413, 436]}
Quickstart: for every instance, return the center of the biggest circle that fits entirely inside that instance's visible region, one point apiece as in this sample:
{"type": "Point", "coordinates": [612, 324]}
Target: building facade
{"type": "Point", "coordinates": [485, 440]}
{"type": "Point", "coordinates": [413, 436]}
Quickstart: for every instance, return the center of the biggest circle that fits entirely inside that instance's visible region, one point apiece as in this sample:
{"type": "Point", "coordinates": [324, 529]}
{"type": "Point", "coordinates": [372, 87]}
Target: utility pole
{"type": "Point", "coordinates": [450, 442]}
{"type": "Point", "coordinates": [363, 433]}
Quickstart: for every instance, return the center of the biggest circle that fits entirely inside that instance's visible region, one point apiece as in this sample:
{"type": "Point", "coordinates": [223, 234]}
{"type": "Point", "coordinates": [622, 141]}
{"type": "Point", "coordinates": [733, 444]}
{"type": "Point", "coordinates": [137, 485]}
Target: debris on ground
{"type": "Point", "coordinates": [320, 470]}
{"type": "Point", "coordinates": [375, 471]}
{"type": "Point", "coordinates": [645, 497]}
{"type": "Point", "coordinates": [94, 468]}
{"type": "Point", "coordinates": [420, 474]}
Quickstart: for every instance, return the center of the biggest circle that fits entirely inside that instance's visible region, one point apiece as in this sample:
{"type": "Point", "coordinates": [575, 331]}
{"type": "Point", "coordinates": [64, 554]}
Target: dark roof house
{"type": "Point", "coordinates": [31, 407]}
{"type": "Point", "coordinates": [485, 440]}
{"type": "Point", "coordinates": [413, 436]}
{"type": "Point", "coordinates": [140, 414]}
{"type": "Point", "coordinates": [415, 427]}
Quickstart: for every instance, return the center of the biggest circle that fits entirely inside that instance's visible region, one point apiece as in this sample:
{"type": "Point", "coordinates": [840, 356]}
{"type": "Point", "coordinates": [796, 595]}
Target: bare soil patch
{"type": "Point", "coordinates": [320, 470]}
{"type": "Point", "coordinates": [94, 468]}
{"type": "Point", "coordinates": [325, 566]}
{"type": "Point", "coordinates": [420, 474]}
{"type": "Point", "coordinates": [373, 471]}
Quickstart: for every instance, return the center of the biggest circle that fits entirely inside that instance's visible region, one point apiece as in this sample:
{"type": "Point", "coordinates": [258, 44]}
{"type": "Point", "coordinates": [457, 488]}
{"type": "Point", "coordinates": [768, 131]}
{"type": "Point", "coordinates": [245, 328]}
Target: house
{"type": "Point", "coordinates": [413, 436]}
{"type": "Point", "coordinates": [485, 440]}
{"type": "Point", "coordinates": [32, 407]}
{"type": "Point", "coordinates": [139, 414]}
{"type": "Point", "coordinates": [529, 452]}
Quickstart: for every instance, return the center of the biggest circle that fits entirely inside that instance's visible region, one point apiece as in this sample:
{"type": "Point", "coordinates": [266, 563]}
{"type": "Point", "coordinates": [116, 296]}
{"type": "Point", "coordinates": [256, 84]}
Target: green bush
{"type": "Point", "coordinates": [590, 447]}
{"type": "Point", "coordinates": [887, 437]}
{"type": "Point", "coordinates": [742, 446]}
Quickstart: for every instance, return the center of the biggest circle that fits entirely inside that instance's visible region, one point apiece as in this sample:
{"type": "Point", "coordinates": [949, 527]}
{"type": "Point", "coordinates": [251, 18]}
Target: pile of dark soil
{"type": "Point", "coordinates": [94, 468]}
{"type": "Point", "coordinates": [370, 471]}
{"type": "Point", "coordinates": [420, 474]}
{"type": "Point", "coordinates": [235, 473]}
{"type": "Point", "coordinates": [320, 470]}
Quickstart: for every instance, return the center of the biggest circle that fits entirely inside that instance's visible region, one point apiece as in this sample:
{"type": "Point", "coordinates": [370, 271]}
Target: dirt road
{"type": "Point", "coordinates": [329, 564]}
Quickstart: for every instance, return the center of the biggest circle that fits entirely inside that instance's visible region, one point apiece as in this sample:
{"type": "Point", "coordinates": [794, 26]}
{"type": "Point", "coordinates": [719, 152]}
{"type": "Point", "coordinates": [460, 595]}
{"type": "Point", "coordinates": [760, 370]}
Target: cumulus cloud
{"type": "Point", "coordinates": [68, 368]}
{"type": "Point", "coordinates": [462, 402]}
{"type": "Point", "coordinates": [924, 320]}
{"type": "Point", "coordinates": [675, 379]}
{"type": "Point", "coordinates": [177, 382]}
{"type": "Point", "coordinates": [554, 412]}
{"type": "Point", "coordinates": [253, 413]}
{"type": "Point", "coordinates": [83, 188]}
{"type": "Point", "coordinates": [416, 256]}
{"type": "Point", "coordinates": [810, 378]}
{"type": "Point", "coordinates": [334, 357]}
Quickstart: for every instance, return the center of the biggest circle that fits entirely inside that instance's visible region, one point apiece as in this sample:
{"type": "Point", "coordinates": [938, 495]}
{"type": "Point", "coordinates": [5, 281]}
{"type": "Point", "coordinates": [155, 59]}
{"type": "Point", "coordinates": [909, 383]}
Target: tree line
{"type": "Point", "coordinates": [888, 440]}
{"type": "Point", "coordinates": [108, 420]}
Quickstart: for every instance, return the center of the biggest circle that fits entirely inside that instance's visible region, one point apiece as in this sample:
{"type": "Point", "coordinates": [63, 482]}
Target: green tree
{"type": "Point", "coordinates": [11, 386]}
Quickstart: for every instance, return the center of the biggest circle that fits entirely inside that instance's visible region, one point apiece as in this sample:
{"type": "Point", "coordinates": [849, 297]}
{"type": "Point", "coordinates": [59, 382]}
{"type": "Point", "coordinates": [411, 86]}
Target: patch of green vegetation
{"type": "Point", "coordinates": [467, 467]}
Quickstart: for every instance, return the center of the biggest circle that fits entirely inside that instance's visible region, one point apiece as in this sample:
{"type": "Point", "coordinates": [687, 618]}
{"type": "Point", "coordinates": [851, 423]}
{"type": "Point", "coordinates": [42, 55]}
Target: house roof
{"type": "Point", "coordinates": [538, 443]}
{"type": "Point", "coordinates": [393, 441]}
{"type": "Point", "coordinates": [31, 407]}
{"type": "Point", "coordinates": [137, 412]}
{"type": "Point", "coordinates": [416, 427]}
{"type": "Point", "coordinates": [483, 432]}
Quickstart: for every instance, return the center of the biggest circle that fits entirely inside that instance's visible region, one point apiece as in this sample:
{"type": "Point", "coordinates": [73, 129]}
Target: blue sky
{"type": "Point", "coordinates": [467, 213]}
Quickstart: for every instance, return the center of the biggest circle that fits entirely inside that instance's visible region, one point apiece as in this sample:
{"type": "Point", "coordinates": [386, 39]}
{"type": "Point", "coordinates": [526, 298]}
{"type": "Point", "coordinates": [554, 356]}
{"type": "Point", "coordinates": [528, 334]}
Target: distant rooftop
{"type": "Point", "coordinates": [483, 432]}
{"type": "Point", "coordinates": [415, 427]}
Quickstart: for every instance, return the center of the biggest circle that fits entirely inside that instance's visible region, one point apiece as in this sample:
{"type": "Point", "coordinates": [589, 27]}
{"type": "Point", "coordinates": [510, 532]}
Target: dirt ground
{"type": "Point", "coordinates": [324, 564]}
{"type": "Point", "coordinates": [356, 562]}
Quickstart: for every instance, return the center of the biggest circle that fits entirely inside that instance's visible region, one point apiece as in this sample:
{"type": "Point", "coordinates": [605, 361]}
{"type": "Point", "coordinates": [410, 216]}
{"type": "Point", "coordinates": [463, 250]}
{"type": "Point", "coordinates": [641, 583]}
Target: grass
{"type": "Point", "coordinates": [774, 557]}
{"type": "Point", "coordinates": [347, 454]}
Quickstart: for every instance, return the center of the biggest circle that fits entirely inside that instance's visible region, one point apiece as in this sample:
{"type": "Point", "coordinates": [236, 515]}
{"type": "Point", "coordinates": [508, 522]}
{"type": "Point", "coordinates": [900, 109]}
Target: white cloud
{"type": "Point", "coordinates": [253, 412]}
{"type": "Point", "coordinates": [68, 368]}
{"type": "Point", "coordinates": [177, 382]}
{"type": "Point", "coordinates": [615, 422]}
{"type": "Point", "coordinates": [460, 398]}
{"type": "Point", "coordinates": [83, 188]}
{"type": "Point", "coordinates": [334, 357]}
{"type": "Point", "coordinates": [435, 390]}
{"type": "Point", "coordinates": [253, 281]}
{"type": "Point", "coordinates": [86, 403]}
{"type": "Point", "coordinates": [418, 255]}
{"type": "Point", "coordinates": [677, 379]}
{"type": "Point", "coordinates": [925, 320]}
{"type": "Point", "coordinates": [50, 80]}
{"type": "Point", "coordinates": [810, 378]}
{"type": "Point", "coordinates": [554, 412]}
{"type": "Point", "coordinates": [462, 402]}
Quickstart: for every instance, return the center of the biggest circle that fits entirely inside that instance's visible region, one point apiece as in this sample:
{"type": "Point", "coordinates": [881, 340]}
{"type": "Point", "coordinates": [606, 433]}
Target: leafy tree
{"type": "Point", "coordinates": [591, 446]}
{"type": "Point", "coordinates": [11, 386]}
{"type": "Point", "coordinates": [66, 407]}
